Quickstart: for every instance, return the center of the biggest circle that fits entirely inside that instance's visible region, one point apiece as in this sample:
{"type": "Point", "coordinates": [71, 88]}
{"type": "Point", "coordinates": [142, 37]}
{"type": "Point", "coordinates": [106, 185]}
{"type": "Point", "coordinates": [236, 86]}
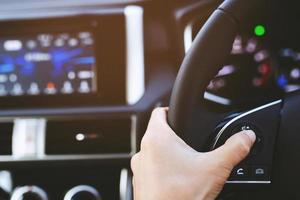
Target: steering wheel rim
{"type": "Point", "coordinates": [209, 51]}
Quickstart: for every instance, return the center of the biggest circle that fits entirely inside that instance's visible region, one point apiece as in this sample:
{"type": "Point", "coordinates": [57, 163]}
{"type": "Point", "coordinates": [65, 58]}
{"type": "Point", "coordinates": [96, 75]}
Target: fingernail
{"type": "Point", "coordinates": [251, 135]}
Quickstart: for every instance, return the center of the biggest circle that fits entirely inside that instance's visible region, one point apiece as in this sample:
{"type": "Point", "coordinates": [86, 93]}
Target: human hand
{"type": "Point", "coordinates": [166, 168]}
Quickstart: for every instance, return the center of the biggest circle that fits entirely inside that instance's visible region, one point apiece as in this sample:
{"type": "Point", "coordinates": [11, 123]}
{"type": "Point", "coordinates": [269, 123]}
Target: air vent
{"type": "Point", "coordinates": [90, 136]}
{"type": "Point", "coordinates": [6, 130]}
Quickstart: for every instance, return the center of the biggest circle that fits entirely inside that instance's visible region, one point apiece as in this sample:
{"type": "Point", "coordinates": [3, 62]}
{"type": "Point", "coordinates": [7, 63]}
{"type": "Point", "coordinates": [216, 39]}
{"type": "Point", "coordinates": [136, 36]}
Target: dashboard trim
{"type": "Point", "coordinates": [135, 74]}
{"type": "Point", "coordinates": [20, 191]}
{"type": "Point", "coordinates": [125, 185]}
{"type": "Point", "coordinates": [28, 134]}
{"type": "Point", "coordinates": [41, 156]}
{"type": "Point", "coordinates": [188, 37]}
{"type": "Point", "coordinates": [248, 182]}
{"type": "Point", "coordinates": [68, 157]}
{"type": "Point", "coordinates": [217, 99]}
{"type": "Point", "coordinates": [82, 188]}
{"type": "Point", "coordinates": [50, 4]}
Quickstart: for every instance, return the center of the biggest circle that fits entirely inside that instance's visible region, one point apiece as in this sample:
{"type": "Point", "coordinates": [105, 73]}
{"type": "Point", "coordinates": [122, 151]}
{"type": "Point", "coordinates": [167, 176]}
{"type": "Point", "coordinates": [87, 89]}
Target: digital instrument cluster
{"type": "Point", "coordinates": [262, 66]}
{"type": "Point", "coordinates": [47, 64]}
{"type": "Point", "coordinates": [264, 62]}
{"type": "Point", "coordinates": [273, 68]}
{"type": "Point", "coordinates": [249, 75]}
{"type": "Point", "coordinates": [248, 56]}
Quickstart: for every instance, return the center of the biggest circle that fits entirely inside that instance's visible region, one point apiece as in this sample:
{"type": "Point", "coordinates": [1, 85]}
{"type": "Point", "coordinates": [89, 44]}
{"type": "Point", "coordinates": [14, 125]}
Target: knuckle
{"type": "Point", "coordinates": [148, 141]}
{"type": "Point", "coordinates": [133, 162]}
{"type": "Point", "coordinates": [154, 121]}
{"type": "Point", "coordinates": [156, 111]}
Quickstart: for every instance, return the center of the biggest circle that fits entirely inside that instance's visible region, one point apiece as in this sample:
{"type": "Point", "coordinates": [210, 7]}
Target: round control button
{"type": "Point", "coordinates": [82, 192]}
{"type": "Point", "coordinates": [29, 193]}
{"type": "Point", "coordinates": [259, 142]}
{"type": "Point", "coordinates": [258, 145]}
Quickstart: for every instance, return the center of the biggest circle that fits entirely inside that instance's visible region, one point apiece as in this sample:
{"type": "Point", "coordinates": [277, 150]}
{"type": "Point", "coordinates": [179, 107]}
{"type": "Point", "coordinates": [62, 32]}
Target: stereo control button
{"type": "Point", "coordinates": [258, 145]}
{"type": "Point", "coordinates": [259, 172]}
{"type": "Point", "coordinates": [239, 173]}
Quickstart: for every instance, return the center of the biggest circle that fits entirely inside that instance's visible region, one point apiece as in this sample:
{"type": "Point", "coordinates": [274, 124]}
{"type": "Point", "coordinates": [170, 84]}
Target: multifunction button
{"type": "Point", "coordinates": [240, 173]}
{"type": "Point", "coordinates": [259, 172]}
{"type": "Point", "coordinates": [249, 174]}
{"type": "Point", "coordinates": [258, 145]}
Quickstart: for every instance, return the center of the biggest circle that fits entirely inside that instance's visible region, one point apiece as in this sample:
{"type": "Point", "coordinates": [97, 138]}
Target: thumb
{"type": "Point", "coordinates": [236, 148]}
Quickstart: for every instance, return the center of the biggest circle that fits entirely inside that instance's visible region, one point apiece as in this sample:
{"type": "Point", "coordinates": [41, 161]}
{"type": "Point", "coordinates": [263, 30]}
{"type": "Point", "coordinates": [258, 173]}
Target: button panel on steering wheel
{"type": "Point", "coordinates": [257, 167]}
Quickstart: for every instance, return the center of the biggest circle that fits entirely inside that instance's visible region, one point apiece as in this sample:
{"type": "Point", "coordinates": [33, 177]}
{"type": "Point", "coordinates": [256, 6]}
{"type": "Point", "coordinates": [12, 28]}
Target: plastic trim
{"type": "Point", "coordinates": [135, 74]}
{"type": "Point", "coordinates": [82, 188]}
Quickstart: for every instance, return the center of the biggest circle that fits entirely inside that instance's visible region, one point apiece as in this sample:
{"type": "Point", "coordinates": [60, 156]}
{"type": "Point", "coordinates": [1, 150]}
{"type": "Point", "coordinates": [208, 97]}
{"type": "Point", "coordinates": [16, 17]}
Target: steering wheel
{"type": "Point", "coordinates": [274, 161]}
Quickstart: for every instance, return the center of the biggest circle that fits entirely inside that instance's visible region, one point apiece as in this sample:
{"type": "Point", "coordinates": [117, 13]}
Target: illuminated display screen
{"type": "Point", "coordinates": [47, 64]}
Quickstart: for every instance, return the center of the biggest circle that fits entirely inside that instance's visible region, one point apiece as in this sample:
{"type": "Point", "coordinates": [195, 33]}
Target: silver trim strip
{"type": "Point", "coordinates": [6, 181]}
{"type": "Point", "coordinates": [135, 74]}
{"type": "Point", "coordinates": [123, 184]}
{"type": "Point", "coordinates": [241, 116]}
{"type": "Point", "coordinates": [12, 6]}
{"type": "Point", "coordinates": [133, 134]}
{"type": "Point", "coordinates": [29, 137]}
{"type": "Point", "coordinates": [41, 137]}
{"type": "Point", "coordinates": [82, 188]}
{"type": "Point", "coordinates": [67, 157]}
{"type": "Point", "coordinates": [188, 37]}
{"type": "Point", "coordinates": [217, 99]}
{"type": "Point", "coordinates": [248, 182]}
{"type": "Point", "coordinates": [20, 191]}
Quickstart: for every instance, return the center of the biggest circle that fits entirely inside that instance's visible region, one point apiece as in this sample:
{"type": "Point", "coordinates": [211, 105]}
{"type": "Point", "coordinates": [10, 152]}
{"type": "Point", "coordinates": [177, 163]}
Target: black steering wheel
{"type": "Point", "coordinates": [273, 165]}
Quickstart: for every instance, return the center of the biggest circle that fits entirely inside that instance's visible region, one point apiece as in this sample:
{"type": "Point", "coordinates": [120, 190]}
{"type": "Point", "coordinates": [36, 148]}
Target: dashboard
{"type": "Point", "coordinates": [78, 82]}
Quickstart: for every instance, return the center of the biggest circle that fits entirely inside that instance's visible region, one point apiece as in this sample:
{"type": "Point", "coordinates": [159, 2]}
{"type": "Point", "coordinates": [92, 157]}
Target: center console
{"type": "Point", "coordinates": [70, 83]}
{"type": "Point", "coordinates": [71, 63]}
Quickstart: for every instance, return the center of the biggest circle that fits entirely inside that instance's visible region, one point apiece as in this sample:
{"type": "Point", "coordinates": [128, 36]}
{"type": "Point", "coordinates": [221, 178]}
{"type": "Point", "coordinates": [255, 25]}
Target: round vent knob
{"type": "Point", "coordinates": [29, 193]}
{"type": "Point", "coordinates": [82, 192]}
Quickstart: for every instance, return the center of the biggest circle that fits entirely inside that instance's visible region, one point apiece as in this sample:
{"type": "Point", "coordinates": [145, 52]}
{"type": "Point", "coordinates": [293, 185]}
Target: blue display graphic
{"type": "Point", "coordinates": [48, 64]}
